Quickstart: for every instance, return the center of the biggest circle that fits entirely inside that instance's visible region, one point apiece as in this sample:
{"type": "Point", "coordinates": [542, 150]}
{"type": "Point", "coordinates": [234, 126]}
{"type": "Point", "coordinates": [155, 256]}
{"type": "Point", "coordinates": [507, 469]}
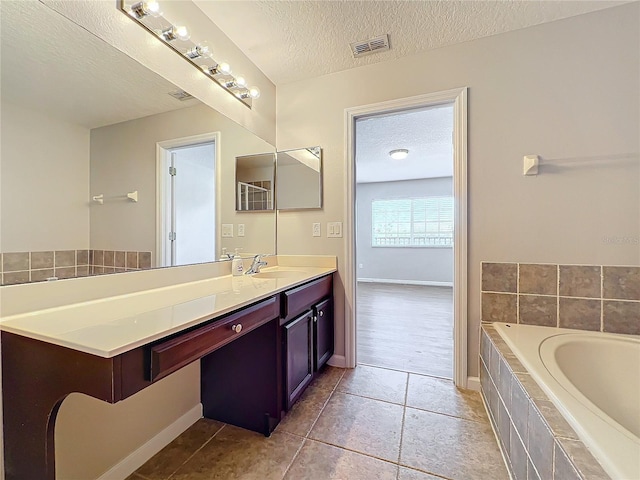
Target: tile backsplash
{"type": "Point", "coordinates": [586, 297]}
{"type": "Point", "coordinates": [26, 267]}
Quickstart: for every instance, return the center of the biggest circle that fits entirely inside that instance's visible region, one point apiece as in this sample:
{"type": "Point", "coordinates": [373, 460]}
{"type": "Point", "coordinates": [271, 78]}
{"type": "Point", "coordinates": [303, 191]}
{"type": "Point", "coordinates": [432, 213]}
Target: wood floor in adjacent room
{"type": "Point", "coordinates": [406, 327]}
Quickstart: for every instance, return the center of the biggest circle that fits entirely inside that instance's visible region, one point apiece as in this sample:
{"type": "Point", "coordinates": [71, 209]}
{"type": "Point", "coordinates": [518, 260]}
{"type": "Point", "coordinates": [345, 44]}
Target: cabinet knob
{"type": "Point", "coordinates": [237, 328]}
{"type": "Point", "coordinates": [321, 313]}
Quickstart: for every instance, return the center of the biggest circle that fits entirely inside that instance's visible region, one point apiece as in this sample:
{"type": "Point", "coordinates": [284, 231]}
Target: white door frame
{"type": "Point", "coordinates": [458, 97]}
{"type": "Point", "coordinates": [162, 151]}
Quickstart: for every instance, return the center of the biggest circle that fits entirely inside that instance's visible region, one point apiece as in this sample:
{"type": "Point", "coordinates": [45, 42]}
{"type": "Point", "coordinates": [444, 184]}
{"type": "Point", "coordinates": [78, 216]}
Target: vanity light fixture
{"type": "Point", "coordinates": [142, 9]}
{"type": "Point", "coordinates": [148, 15]}
{"type": "Point", "coordinates": [399, 154]}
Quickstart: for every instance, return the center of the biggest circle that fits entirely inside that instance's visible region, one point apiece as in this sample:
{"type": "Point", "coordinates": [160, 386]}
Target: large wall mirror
{"type": "Point", "coordinates": [80, 120]}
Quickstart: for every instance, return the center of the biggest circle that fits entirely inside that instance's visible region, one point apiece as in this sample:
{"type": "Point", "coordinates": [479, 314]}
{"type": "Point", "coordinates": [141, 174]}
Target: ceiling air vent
{"type": "Point", "coordinates": [181, 95]}
{"type": "Point", "coordinates": [367, 47]}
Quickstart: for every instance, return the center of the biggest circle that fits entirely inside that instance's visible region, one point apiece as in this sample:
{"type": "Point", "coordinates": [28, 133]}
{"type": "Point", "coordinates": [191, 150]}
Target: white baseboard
{"type": "Point", "coordinates": [337, 361]}
{"type": "Point", "coordinates": [406, 282]}
{"type": "Point", "coordinates": [473, 383]}
{"type": "Point", "coordinates": [139, 457]}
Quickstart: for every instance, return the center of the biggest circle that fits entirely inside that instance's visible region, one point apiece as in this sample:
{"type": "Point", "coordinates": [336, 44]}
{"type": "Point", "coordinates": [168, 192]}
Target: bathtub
{"type": "Point", "coordinates": [593, 378]}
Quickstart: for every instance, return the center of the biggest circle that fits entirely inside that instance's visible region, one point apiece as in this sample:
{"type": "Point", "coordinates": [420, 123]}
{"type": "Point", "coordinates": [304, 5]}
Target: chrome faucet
{"type": "Point", "coordinates": [255, 266]}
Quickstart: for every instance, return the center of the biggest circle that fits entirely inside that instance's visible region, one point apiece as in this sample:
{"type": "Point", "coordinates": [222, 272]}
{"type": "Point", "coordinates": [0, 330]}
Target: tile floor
{"type": "Point", "coordinates": [368, 423]}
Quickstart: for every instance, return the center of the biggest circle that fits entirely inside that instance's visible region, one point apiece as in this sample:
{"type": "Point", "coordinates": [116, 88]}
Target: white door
{"type": "Point", "coordinates": [189, 223]}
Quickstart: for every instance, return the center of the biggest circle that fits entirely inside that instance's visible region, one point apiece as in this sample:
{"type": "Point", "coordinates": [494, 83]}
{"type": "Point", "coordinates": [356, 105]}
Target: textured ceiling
{"type": "Point", "coordinates": [294, 40]}
{"type": "Point", "coordinates": [51, 65]}
{"type": "Point", "coordinates": [426, 133]}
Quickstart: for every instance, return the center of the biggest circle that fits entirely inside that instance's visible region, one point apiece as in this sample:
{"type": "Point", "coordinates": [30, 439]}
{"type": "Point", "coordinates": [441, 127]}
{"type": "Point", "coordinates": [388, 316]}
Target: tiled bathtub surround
{"type": "Point", "coordinates": [586, 297]}
{"type": "Point", "coordinates": [26, 267]}
{"type": "Point", "coordinates": [536, 440]}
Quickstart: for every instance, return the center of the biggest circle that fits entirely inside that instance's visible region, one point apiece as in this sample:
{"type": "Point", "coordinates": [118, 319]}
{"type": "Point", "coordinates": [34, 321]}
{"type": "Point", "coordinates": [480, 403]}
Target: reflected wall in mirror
{"type": "Point", "coordinates": [81, 119]}
{"type": "Point", "coordinates": [299, 179]}
{"type": "Point", "coordinates": [255, 182]}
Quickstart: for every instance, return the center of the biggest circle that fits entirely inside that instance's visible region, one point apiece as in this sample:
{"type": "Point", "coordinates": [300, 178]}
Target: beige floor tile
{"type": "Point", "coordinates": [329, 377]}
{"type": "Point", "coordinates": [409, 474]}
{"type": "Point", "coordinates": [451, 447]}
{"type": "Point", "coordinates": [304, 413]}
{"type": "Point", "coordinates": [235, 453]}
{"type": "Point", "coordinates": [318, 461]}
{"type": "Point", "coordinates": [170, 458]}
{"type": "Point", "coordinates": [367, 426]}
{"type": "Point", "coordinates": [441, 396]}
{"type": "Point", "coordinates": [377, 383]}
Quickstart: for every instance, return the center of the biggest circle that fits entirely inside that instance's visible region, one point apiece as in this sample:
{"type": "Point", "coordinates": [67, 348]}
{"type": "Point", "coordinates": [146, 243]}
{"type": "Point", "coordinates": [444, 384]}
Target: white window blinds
{"type": "Point", "coordinates": [412, 222]}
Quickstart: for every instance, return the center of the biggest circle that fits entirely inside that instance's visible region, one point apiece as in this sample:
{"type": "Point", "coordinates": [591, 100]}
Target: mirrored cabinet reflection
{"type": "Point", "coordinates": [288, 180]}
{"type": "Point", "coordinates": [255, 182]}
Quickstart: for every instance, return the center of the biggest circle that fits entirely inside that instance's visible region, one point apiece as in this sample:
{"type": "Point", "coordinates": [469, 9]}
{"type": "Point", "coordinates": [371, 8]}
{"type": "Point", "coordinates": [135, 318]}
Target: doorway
{"type": "Point", "coordinates": [456, 100]}
{"type": "Point", "coordinates": [187, 201]}
{"type": "Point", "coordinates": [404, 240]}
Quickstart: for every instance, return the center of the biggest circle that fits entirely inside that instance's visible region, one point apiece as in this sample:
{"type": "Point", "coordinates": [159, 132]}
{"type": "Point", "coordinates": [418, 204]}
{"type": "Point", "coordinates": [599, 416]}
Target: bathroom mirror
{"type": "Point", "coordinates": [81, 120]}
{"type": "Point", "coordinates": [255, 175]}
{"type": "Point", "coordinates": [299, 179]}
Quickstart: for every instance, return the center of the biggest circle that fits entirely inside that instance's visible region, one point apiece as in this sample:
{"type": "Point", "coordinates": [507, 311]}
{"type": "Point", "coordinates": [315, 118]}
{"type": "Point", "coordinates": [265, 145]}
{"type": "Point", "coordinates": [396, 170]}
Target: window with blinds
{"type": "Point", "coordinates": [412, 222]}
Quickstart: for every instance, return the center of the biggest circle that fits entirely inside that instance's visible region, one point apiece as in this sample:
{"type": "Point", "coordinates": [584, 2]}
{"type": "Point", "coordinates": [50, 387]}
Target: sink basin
{"type": "Point", "coordinates": [276, 274]}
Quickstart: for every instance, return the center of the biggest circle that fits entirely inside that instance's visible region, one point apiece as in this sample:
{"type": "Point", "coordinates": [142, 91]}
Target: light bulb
{"type": "Point", "coordinates": [153, 8]}
{"type": "Point", "coordinates": [142, 9]}
{"type": "Point", "coordinates": [224, 68]}
{"type": "Point", "coordinates": [254, 92]}
{"type": "Point", "coordinates": [241, 81]}
{"type": "Point", "coordinates": [182, 33]}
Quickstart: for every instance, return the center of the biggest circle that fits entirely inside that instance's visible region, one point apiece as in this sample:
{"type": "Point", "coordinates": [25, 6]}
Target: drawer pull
{"type": "Point", "coordinates": [321, 313]}
{"type": "Point", "coordinates": [237, 328]}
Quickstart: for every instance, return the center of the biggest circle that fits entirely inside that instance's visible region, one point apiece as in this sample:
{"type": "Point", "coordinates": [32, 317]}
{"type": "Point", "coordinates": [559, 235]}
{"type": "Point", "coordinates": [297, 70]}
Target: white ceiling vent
{"type": "Point", "coordinates": [367, 47]}
{"type": "Point", "coordinates": [181, 95]}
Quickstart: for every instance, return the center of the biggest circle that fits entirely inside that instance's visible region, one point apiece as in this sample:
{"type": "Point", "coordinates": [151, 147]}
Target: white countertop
{"type": "Point", "coordinates": [110, 326]}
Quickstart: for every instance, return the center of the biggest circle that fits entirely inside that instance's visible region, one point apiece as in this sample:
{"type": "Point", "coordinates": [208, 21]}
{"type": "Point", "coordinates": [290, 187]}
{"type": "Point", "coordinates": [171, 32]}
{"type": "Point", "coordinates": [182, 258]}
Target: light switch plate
{"type": "Point", "coordinates": [227, 230]}
{"type": "Point", "coordinates": [241, 229]}
{"type": "Point", "coordinates": [316, 230]}
{"type": "Point", "coordinates": [334, 229]}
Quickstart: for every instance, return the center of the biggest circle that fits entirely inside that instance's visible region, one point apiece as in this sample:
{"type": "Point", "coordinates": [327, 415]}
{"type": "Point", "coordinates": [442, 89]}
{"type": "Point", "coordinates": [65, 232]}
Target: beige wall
{"type": "Point", "coordinates": [123, 159]}
{"type": "Point", "coordinates": [45, 188]}
{"type": "Point", "coordinates": [92, 436]}
{"type": "Point", "coordinates": [567, 90]}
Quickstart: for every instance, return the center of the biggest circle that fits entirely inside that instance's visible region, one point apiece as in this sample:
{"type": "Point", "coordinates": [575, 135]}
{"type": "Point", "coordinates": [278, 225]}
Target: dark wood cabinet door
{"type": "Point", "coordinates": [323, 333]}
{"type": "Point", "coordinates": [298, 343]}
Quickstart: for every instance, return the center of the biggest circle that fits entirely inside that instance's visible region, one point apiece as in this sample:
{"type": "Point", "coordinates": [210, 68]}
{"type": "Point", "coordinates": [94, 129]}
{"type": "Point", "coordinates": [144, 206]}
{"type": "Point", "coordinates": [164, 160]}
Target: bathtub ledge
{"type": "Point", "coordinates": [557, 451]}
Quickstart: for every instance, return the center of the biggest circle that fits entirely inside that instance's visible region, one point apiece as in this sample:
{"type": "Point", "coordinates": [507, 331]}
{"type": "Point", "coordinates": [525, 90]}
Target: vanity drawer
{"type": "Point", "coordinates": [297, 300]}
{"type": "Point", "coordinates": [171, 355]}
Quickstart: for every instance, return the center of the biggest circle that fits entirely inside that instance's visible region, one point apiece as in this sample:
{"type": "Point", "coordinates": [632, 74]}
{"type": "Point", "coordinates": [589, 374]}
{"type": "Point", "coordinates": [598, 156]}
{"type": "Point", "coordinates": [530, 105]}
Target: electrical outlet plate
{"type": "Point", "coordinates": [227, 230]}
{"type": "Point", "coordinates": [241, 229]}
{"type": "Point", "coordinates": [315, 231]}
{"type": "Point", "coordinates": [334, 229]}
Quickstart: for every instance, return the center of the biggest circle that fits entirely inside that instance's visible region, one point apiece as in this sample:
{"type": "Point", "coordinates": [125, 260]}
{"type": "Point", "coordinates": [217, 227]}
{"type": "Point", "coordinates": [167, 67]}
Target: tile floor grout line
{"type": "Point", "coordinates": [306, 436]}
{"type": "Point", "coordinates": [405, 371]}
{"type": "Point", "coordinates": [481, 422]}
{"type": "Point", "coordinates": [369, 398]}
{"type": "Point", "coordinates": [326, 402]}
{"type": "Point", "coordinates": [404, 414]}
{"type": "Point", "coordinates": [197, 450]}
{"type": "Point", "coordinates": [324, 442]}
{"type": "Point", "coordinates": [304, 440]}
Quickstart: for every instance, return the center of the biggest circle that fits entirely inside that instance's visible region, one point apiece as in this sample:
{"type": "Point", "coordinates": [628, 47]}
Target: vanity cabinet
{"type": "Point", "coordinates": [307, 321]}
{"type": "Point", "coordinates": [298, 345]}
{"type": "Point", "coordinates": [323, 333]}
{"type": "Point", "coordinates": [255, 363]}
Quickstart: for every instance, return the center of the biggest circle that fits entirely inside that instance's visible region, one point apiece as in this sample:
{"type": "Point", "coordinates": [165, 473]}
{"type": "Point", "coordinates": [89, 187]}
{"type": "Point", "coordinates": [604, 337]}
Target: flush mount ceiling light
{"type": "Point", "coordinates": [199, 54]}
{"type": "Point", "coordinates": [399, 154]}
